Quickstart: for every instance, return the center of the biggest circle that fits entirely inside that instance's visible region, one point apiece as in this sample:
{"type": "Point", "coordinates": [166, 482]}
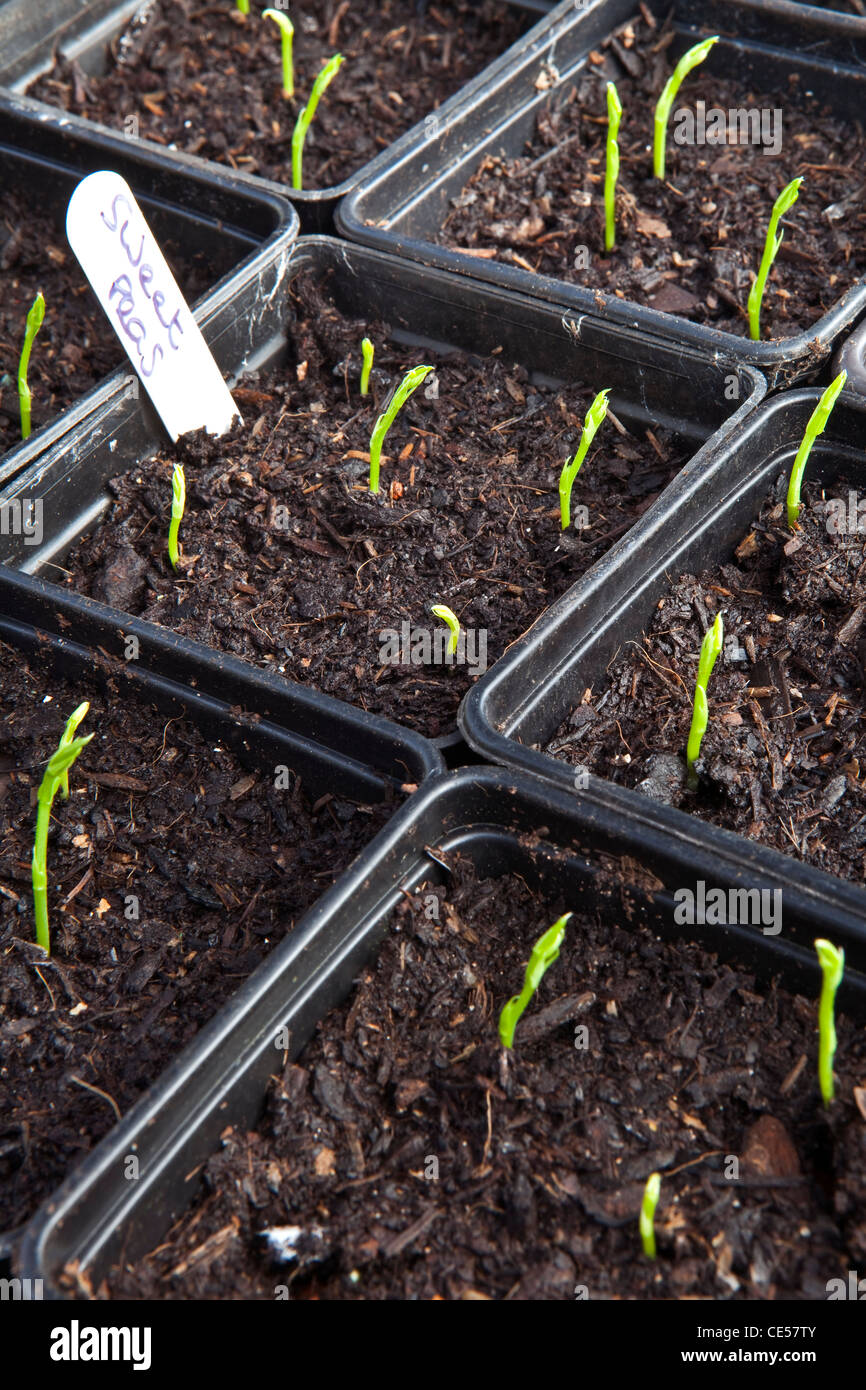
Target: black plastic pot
{"type": "Point", "coordinates": [851, 358]}
{"type": "Point", "coordinates": [30, 35]}
{"type": "Point", "coordinates": [494, 818]}
{"type": "Point", "coordinates": [518, 706]}
{"type": "Point", "coordinates": [243, 232]}
{"type": "Point", "coordinates": [265, 721]}
{"type": "Point", "coordinates": [677, 388]}
{"type": "Point", "coordinates": [402, 207]}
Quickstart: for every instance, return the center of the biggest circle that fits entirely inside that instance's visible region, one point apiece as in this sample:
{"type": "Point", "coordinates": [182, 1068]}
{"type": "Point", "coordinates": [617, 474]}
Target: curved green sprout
{"type": "Point", "coordinates": [243, 6]}
{"type": "Point", "coordinates": [832, 959]}
{"type": "Point", "coordinates": [817, 424]}
{"type": "Point", "coordinates": [34, 322]}
{"type": "Point", "coordinates": [302, 125]}
{"type": "Point", "coordinates": [710, 648]}
{"type": "Point", "coordinates": [439, 610]}
{"type": "Point", "coordinates": [785, 201]}
{"type": "Point", "coordinates": [648, 1214]}
{"type": "Point", "coordinates": [67, 736]}
{"type": "Point", "coordinates": [178, 503]}
{"type": "Point", "coordinates": [594, 417]}
{"type": "Point", "coordinates": [411, 380]}
{"type": "Point", "coordinates": [666, 100]}
{"type": "Point", "coordinates": [287, 30]}
{"type": "Point", "coordinates": [367, 356]}
{"type": "Point", "coordinates": [55, 773]}
{"type": "Point", "coordinates": [544, 953]}
{"type": "Point", "coordinates": [611, 173]}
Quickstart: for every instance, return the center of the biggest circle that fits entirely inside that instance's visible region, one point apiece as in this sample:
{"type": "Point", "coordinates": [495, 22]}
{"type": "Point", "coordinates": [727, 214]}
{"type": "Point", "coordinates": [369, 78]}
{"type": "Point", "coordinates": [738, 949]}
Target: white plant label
{"type": "Point", "coordinates": [122, 260]}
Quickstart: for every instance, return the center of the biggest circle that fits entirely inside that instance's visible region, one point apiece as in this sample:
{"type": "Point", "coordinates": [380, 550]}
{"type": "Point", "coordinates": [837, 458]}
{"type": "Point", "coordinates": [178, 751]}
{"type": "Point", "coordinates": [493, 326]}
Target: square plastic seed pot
{"type": "Point", "coordinates": [777, 48]}
{"type": "Point", "coordinates": [216, 233]}
{"type": "Point", "coordinates": [300, 755]}
{"type": "Point", "coordinates": [87, 35]}
{"type": "Point", "coordinates": [702, 401]}
{"type": "Point", "coordinates": [517, 709]}
{"type": "Point", "coordinates": [597, 856]}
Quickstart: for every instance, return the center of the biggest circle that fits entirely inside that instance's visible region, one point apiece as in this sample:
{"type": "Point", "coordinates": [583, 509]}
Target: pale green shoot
{"type": "Point", "coordinates": [178, 503]}
{"type": "Point", "coordinates": [58, 768]}
{"type": "Point", "coordinates": [544, 953]}
{"type": "Point", "coordinates": [439, 610]}
{"type": "Point", "coordinates": [367, 351]}
{"type": "Point", "coordinates": [287, 31]}
{"type": "Point", "coordinates": [35, 317]}
{"type": "Point", "coordinates": [710, 649]}
{"type": "Point", "coordinates": [302, 125]}
{"type": "Point", "coordinates": [785, 201]}
{"type": "Point", "coordinates": [594, 417]}
{"type": "Point", "coordinates": [68, 735]}
{"type": "Point", "coordinates": [611, 174]}
{"type": "Point", "coordinates": [648, 1214]}
{"type": "Point", "coordinates": [832, 959]}
{"type": "Point", "coordinates": [688, 61]}
{"type": "Point", "coordinates": [411, 380]}
{"type": "Point", "coordinates": [817, 424]}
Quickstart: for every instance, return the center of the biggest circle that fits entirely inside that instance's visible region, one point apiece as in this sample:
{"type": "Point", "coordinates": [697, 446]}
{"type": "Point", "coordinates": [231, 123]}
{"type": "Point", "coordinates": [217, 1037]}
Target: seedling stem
{"type": "Point", "coordinates": [544, 953]}
{"type": "Point", "coordinates": [817, 424]}
{"type": "Point", "coordinates": [785, 201]}
{"type": "Point", "coordinates": [178, 503]}
{"type": "Point", "coordinates": [594, 417]}
{"type": "Point", "coordinates": [57, 769]}
{"type": "Point", "coordinates": [648, 1213]}
{"type": "Point", "coordinates": [832, 959]}
{"type": "Point", "coordinates": [439, 610]}
{"type": "Point", "coordinates": [367, 356]}
{"type": "Point", "coordinates": [710, 648]}
{"type": "Point", "coordinates": [688, 61]}
{"type": "Point", "coordinates": [411, 380]}
{"type": "Point", "coordinates": [35, 316]}
{"type": "Point", "coordinates": [614, 112]}
{"type": "Point", "coordinates": [302, 125]}
{"type": "Point", "coordinates": [287, 30]}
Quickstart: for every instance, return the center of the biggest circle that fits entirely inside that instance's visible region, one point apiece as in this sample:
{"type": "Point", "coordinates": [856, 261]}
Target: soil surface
{"type": "Point", "coordinates": [689, 246]}
{"type": "Point", "coordinates": [206, 80]}
{"type": "Point", "coordinates": [413, 1162]}
{"type": "Point", "coordinates": [291, 563]}
{"type": "Point", "coordinates": [782, 756]}
{"type": "Point", "coordinates": [161, 822]}
{"type": "Point", "coordinates": [76, 347]}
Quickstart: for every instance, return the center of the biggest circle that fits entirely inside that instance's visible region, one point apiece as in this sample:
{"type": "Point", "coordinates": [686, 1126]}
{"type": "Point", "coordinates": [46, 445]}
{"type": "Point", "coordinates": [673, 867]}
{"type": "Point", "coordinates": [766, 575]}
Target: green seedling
{"type": "Point", "coordinates": [832, 960]}
{"type": "Point", "coordinates": [688, 61]}
{"type": "Point", "coordinates": [785, 201]}
{"type": "Point", "coordinates": [367, 356]}
{"type": "Point", "coordinates": [178, 503]}
{"type": "Point", "coordinates": [648, 1214]}
{"type": "Point", "coordinates": [243, 6]}
{"type": "Point", "coordinates": [544, 953]}
{"type": "Point", "coordinates": [287, 32]}
{"type": "Point", "coordinates": [439, 610]}
{"type": "Point", "coordinates": [710, 648]}
{"type": "Point", "coordinates": [72, 724]}
{"type": "Point", "coordinates": [611, 173]}
{"type": "Point", "coordinates": [34, 323]}
{"type": "Point", "coordinates": [302, 125]}
{"type": "Point", "coordinates": [56, 773]}
{"type": "Point", "coordinates": [411, 380]}
{"type": "Point", "coordinates": [817, 424]}
{"type": "Point", "coordinates": [594, 417]}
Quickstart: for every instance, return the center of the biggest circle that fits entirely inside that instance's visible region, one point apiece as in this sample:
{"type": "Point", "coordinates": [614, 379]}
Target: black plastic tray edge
{"type": "Point", "coordinates": [851, 357]}
{"type": "Point", "coordinates": [653, 545]}
{"type": "Point", "coordinates": [783, 361]}
{"type": "Point", "coordinates": [315, 206]}
{"type": "Point", "coordinates": [178, 1122]}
